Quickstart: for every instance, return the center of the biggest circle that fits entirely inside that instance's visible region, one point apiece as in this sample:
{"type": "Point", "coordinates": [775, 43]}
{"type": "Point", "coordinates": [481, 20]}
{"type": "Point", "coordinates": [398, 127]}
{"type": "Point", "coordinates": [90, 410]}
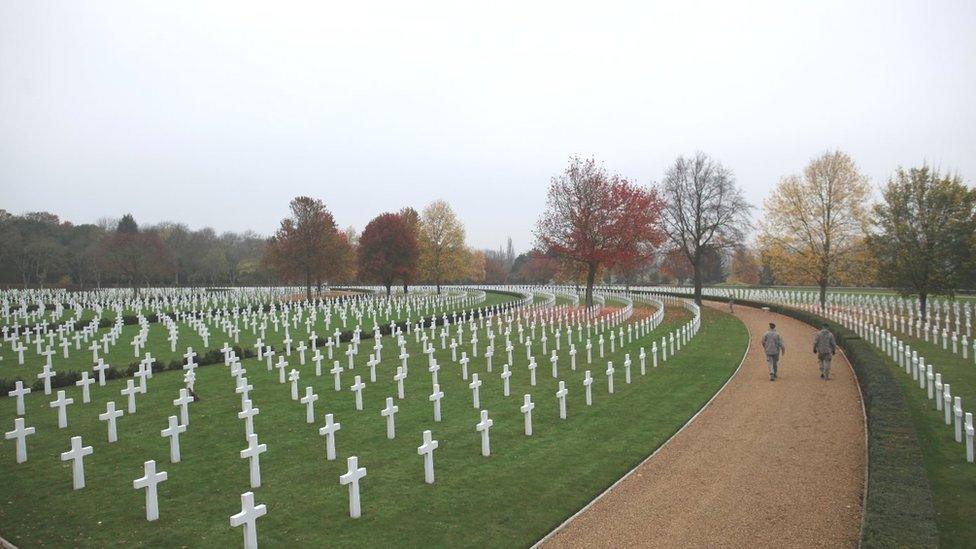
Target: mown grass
{"type": "Point", "coordinates": [526, 487]}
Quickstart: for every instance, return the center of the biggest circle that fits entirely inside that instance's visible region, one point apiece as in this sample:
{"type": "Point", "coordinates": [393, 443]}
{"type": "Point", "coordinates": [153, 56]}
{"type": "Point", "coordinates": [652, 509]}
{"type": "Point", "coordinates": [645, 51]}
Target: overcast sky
{"type": "Point", "coordinates": [217, 114]}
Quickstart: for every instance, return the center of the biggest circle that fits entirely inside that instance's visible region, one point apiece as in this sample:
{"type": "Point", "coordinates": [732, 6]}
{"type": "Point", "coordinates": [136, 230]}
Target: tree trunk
{"type": "Point", "coordinates": [308, 286]}
{"type": "Point", "coordinates": [698, 282]}
{"type": "Point", "coordinates": [389, 288]}
{"type": "Point", "coordinates": [438, 282]}
{"type": "Point", "coordinates": [404, 288]}
{"type": "Point", "coordinates": [823, 293]}
{"type": "Point", "coordinates": [590, 278]}
{"type": "Point", "coordinates": [923, 299]}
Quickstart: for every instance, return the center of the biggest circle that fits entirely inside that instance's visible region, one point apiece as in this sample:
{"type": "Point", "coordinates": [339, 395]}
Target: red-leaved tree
{"type": "Point", "coordinates": [308, 246]}
{"type": "Point", "coordinates": [598, 220]}
{"type": "Point", "coordinates": [388, 251]}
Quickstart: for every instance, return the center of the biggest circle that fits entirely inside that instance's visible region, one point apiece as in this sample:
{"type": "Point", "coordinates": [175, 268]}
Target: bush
{"type": "Point", "coordinates": [7, 385]}
{"type": "Point", "coordinates": [58, 380]}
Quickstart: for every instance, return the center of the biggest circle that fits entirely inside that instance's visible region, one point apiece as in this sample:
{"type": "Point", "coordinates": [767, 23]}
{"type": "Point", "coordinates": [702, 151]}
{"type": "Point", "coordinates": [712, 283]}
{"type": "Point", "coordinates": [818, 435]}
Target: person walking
{"type": "Point", "coordinates": [825, 347]}
{"type": "Point", "coordinates": [773, 345]}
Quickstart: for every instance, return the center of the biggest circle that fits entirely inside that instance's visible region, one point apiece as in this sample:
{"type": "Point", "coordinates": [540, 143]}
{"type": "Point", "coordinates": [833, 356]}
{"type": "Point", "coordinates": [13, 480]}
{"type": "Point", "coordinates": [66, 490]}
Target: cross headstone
{"type": "Point", "coordinates": [149, 481]}
{"type": "Point", "coordinates": [110, 415]}
{"type": "Point", "coordinates": [20, 433]}
{"type": "Point", "coordinates": [357, 388]}
{"type": "Point", "coordinates": [130, 392]}
{"type": "Point", "coordinates": [561, 396]}
{"type": "Point", "coordinates": [293, 379]}
{"type": "Point", "coordinates": [19, 391]}
{"type": "Point", "coordinates": [389, 412]}
{"type": "Point", "coordinates": [61, 403]}
{"type": "Point", "coordinates": [329, 432]}
{"type": "Point", "coordinates": [526, 409]}
{"type": "Point", "coordinates": [173, 432]}
{"type": "Point", "coordinates": [309, 401]}
{"type": "Point", "coordinates": [426, 449]}
{"type": "Point", "coordinates": [436, 397]}
{"type": "Point", "coordinates": [352, 476]}
{"type": "Point", "coordinates": [588, 384]}
{"type": "Point", "coordinates": [475, 387]}
{"type": "Point", "coordinates": [248, 517]}
{"type": "Point", "coordinates": [399, 377]}
{"type": "Point", "coordinates": [483, 427]}
{"type": "Point", "coordinates": [77, 455]}
{"type": "Point", "coordinates": [253, 453]}
{"type": "Point", "coordinates": [183, 402]}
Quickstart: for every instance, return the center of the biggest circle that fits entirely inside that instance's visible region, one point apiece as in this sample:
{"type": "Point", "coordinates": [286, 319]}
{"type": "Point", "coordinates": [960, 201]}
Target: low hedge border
{"type": "Point", "coordinates": [67, 378]}
{"type": "Point", "coordinates": [898, 508]}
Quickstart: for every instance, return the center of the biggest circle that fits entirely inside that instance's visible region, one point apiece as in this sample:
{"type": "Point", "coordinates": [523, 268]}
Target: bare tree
{"type": "Point", "coordinates": [704, 209]}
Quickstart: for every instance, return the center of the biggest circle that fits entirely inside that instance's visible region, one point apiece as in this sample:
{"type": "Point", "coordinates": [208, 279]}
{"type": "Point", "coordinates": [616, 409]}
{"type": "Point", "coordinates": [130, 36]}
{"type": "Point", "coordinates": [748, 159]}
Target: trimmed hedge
{"type": "Point", "coordinates": [898, 508]}
{"type": "Point", "coordinates": [67, 378]}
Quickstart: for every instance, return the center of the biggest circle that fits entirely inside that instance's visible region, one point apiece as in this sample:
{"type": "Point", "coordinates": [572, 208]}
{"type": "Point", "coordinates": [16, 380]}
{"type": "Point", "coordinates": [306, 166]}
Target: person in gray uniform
{"type": "Point", "coordinates": [825, 347]}
{"type": "Point", "coordinates": [773, 345]}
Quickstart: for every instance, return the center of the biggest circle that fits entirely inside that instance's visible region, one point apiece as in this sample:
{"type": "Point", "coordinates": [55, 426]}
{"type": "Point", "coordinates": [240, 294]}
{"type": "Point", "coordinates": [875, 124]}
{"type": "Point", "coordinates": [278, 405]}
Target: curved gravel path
{"type": "Point", "coordinates": [765, 464]}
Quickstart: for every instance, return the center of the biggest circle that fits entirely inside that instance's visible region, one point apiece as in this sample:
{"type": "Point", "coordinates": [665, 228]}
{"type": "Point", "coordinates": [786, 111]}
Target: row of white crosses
{"type": "Point", "coordinates": [78, 451]}
{"type": "Point", "coordinates": [936, 386]}
{"type": "Point", "coordinates": [250, 512]}
{"type": "Point", "coordinates": [151, 477]}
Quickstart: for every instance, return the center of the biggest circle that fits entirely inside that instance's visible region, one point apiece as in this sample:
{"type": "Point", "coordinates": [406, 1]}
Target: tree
{"type": "Point", "coordinates": [535, 267]}
{"type": "Point", "coordinates": [412, 220]}
{"type": "Point", "coordinates": [926, 233]}
{"type": "Point", "coordinates": [745, 266]}
{"type": "Point", "coordinates": [442, 250]}
{"type": "Point", "coordinates": [596, 220]}
{"type": "Point", "coordinates": [495, 270]}
{"type": "Point", "coordinates": [817, 221]}
{"type": "Point", "coordinates": [477, 266]}
{"type": "Point", "coordinates": [387, 250]}
{"type": "Point", "coordinates": [134, 253]}
{"type": "Point", "coordinates": [304, 245]}
{"type": "Point", "coordinates": [705, 211]}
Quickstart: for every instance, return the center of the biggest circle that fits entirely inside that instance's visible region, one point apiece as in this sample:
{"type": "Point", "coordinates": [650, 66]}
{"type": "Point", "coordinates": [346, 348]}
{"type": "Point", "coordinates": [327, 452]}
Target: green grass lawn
{"type": "Point", "coordinates": [526, 487]}
{"type": "Point", "coordinates": [952, 479]}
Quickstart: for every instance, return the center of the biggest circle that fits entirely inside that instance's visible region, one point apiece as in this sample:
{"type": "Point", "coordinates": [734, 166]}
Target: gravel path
{"type": "Point", "coordinates": [765, 464]}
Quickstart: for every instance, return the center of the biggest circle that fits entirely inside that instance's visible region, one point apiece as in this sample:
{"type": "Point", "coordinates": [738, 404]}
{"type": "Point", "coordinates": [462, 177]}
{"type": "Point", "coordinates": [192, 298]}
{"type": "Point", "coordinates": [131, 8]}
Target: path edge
{"type": "Point", "coordinates": [627, 475]}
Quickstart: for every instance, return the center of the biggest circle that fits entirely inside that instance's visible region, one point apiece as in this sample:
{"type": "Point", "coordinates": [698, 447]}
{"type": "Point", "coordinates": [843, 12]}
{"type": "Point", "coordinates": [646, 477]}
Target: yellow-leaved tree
{"type": "Point", "coordinates": [815, 224]}
{"type": "Point", "coordinates": [443, 256]}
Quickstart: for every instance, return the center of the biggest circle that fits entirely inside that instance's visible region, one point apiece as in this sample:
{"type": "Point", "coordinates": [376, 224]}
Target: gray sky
{"type": "Point", "coordinates": [216, 114]}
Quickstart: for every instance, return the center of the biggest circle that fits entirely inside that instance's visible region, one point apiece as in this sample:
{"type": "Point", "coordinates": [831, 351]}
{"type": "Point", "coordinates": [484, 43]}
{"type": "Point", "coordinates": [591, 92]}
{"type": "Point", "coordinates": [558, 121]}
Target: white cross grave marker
{"type": "Point", "coordinates": [309, 401]}
{"type": "Point", "coordinates": [248, 517]}
{"type": "Point", "coordinates": [253, 453]}
{"type": "Point", "coordinates": [149, 480]}
{"type": "Point", "coordinates": [110, 415]}
{"type": "Point", "coordinates": [173, 432]}
{"type": "Point", "coordinates": [329, 432]}
{"type": "Point", "coordinates": [427, 450]}
{"type": "Point", "coordinates": [20, 433]}
{"type": "Point", "coordinates": [351, 477]}
{"type": "Point", "coordinates": [77, 455]}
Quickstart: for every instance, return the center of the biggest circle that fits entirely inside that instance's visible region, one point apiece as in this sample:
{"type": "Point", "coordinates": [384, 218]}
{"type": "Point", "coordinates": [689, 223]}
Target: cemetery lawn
{"type": "Point", "coordinates": [951, 478]}
{"type": "Point", "coordinates": [527, 486]}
